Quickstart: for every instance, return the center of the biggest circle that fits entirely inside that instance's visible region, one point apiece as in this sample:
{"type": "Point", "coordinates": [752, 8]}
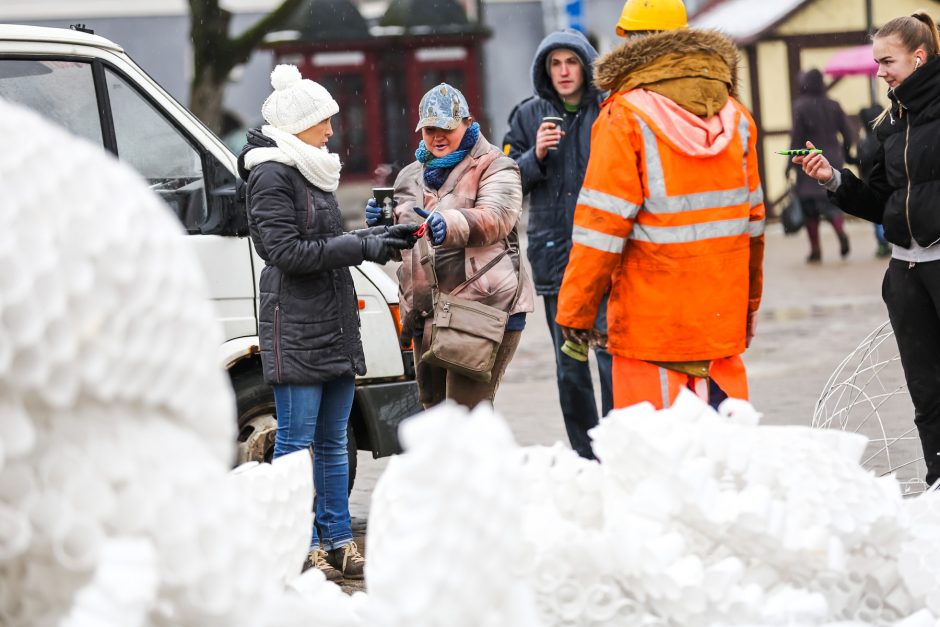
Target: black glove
{"type": "Point", "coordinates": [577, 336]}
{"type": "Point", "coordinates": [404, 232]}
{"type": "Point", "coordinates": [380, 248]}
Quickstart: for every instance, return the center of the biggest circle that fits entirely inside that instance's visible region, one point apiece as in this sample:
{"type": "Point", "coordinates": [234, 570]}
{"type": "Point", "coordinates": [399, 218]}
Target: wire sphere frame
{"type": "Point", "coordinates": [867, 394]}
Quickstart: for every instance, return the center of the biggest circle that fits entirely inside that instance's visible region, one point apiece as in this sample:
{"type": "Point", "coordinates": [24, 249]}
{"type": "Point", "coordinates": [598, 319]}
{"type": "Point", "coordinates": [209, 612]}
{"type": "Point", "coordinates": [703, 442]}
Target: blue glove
{"type": "Point", "coordinates": [437, 227]}
{"type": "Point", "coordinates": [373, 213]}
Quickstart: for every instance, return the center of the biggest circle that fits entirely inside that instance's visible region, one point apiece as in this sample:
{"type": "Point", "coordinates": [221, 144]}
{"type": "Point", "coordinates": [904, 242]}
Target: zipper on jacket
{"type": "Point", "coordinates": [277, 342]}
{"type": "Point", "coordinates": [907, 197]}
{"type": "Point", "coordinates": [309, 208]}
{"type": "Point", "coordinates": [336, 299]}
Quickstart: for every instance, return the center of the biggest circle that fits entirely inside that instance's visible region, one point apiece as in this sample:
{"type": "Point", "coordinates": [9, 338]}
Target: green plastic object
{"type": "Point", "coordinates": [800, 152]}
{"type": "Point", "coordinates": [578, 352]}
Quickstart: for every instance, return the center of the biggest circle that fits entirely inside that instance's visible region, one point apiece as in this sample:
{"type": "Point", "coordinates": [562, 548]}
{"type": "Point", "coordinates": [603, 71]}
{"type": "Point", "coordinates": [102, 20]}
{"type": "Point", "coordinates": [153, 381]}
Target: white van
{"type": "Point", "coordinates": [88, 85]}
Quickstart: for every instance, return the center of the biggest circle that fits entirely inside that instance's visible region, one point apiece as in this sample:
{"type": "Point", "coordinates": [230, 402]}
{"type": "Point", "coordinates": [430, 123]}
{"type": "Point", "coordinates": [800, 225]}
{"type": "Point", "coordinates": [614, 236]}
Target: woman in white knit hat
{"type": "Point", "coordinates": [309, 323]}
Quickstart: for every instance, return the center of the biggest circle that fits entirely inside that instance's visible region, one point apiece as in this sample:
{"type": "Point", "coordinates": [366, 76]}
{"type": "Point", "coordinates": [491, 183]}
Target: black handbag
{"type": "Point", "coordinates": [792, 215]}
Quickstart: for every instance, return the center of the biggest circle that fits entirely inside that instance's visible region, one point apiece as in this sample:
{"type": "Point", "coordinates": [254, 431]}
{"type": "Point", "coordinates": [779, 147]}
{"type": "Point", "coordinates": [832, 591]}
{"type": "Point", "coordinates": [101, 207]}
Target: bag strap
{"type": "Point", "coordinates": [427, 260]}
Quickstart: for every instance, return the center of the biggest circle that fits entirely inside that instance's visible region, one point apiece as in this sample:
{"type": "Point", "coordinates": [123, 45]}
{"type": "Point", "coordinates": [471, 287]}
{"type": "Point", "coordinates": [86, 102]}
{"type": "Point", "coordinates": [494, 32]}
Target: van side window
{"type": "Point", "coordinates": [159, 151]}
{"type": "Point", "coordinates": [61, 91]}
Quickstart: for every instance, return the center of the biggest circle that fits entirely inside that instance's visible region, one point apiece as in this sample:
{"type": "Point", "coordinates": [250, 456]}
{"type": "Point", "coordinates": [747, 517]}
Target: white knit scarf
{"type": "Point", "coordinates": [318, 165]}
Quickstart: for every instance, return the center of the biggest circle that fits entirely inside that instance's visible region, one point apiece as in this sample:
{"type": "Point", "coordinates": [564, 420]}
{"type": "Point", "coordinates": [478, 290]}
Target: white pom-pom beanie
{"type": "Point", "coordinates": [297, 103]}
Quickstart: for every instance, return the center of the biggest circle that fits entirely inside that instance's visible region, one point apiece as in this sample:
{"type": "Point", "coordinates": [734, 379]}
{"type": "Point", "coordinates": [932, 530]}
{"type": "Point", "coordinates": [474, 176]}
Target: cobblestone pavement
{"type": "Point", "coordinates": [810, 319]}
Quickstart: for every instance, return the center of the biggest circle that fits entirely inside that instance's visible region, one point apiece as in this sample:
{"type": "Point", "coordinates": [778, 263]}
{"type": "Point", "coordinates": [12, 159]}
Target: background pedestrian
{"type": "Point", "coordinates": [820, 119]}
{"type": "Point", "coordinates": [552, 158]}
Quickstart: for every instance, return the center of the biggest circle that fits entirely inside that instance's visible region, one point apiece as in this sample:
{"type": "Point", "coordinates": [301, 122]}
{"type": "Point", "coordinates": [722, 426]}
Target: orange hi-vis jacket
{"type": "Point", "coordinates": [672, 228]}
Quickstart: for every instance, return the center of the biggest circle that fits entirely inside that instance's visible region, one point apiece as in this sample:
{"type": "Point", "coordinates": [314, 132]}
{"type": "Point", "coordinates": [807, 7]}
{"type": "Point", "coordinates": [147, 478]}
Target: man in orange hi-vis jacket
{"type": "Point", "coordinates": [670, 215]}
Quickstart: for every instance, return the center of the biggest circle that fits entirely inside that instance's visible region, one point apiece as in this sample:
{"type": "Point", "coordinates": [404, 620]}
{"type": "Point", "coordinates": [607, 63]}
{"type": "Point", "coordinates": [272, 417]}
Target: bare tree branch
{"type": "Point", "coordinates": [215, 52]}
{"type": "Point", "coordinates": [251, 38]}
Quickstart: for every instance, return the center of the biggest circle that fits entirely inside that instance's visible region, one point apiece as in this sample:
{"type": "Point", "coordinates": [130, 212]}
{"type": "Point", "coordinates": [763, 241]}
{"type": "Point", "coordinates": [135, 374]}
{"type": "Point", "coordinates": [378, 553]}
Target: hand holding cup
{"type": "Point", "coordinates": [548, 136]}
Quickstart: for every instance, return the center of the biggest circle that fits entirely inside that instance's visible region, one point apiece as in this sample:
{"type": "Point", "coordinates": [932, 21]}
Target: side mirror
{"type": "Point", "coordinates": [228, 213]}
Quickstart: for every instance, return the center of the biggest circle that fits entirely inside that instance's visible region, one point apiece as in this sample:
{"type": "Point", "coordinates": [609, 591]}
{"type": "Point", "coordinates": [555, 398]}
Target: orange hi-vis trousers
{"type": "Point", "coordinates": [635, 381]}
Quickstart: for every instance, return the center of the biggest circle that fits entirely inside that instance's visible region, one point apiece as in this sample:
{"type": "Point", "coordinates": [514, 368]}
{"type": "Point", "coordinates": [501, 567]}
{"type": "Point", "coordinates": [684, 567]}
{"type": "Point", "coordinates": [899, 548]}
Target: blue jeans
{"type": "Point", "coordinates": [575, 388]}
{"type": "Point", "coordinates": [318, 415]}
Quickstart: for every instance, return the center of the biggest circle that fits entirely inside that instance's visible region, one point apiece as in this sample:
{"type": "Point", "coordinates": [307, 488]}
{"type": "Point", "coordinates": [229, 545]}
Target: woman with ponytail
{"type": "Point", "coordinates": [903, 194]}
{"type": "Point", "coordinates": [470, 195]}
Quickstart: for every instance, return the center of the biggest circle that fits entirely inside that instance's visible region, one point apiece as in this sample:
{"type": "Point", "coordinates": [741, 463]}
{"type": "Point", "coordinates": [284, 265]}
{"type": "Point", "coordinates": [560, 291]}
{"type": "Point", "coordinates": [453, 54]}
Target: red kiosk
{"type": "Point", "coordinates": [378, 75]}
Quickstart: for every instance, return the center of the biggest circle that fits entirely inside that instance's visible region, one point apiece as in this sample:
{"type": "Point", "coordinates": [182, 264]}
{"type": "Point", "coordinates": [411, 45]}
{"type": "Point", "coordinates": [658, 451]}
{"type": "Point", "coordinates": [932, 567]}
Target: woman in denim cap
{"type": "Point", "coordinates": [476, 192]}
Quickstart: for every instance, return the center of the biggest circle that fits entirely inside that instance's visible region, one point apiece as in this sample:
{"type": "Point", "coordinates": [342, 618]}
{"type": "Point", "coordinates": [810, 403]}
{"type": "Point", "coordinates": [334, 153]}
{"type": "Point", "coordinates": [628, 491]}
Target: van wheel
{"type": "Point", "coordinates": [257, 422]}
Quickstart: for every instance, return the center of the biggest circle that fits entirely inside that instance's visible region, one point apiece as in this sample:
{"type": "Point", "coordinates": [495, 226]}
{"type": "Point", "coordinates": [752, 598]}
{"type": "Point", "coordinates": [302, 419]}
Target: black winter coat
{"type": "Point", "coordinates": [820, 120]}
{"type": "Point", "coordinates": [554, 184]}
{"type": "Point", "coordinates": [309, 318]}
{"type": "Point", "coordinates": [903, 191]}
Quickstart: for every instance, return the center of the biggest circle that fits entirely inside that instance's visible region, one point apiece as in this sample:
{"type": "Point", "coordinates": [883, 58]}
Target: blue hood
{"type": "Point", "coordinates": [572, 40]}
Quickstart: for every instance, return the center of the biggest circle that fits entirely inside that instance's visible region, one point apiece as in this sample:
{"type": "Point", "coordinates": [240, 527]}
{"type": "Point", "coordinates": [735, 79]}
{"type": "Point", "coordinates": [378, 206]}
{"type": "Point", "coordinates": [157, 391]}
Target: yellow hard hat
{"type": "Point", "coordinates": [642, 15]}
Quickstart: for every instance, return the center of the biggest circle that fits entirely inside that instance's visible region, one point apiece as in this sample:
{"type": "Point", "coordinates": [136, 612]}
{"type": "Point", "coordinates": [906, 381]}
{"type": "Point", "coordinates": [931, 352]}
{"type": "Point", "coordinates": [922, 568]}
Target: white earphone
{"type": "Point", "coordinates": [916, 62]}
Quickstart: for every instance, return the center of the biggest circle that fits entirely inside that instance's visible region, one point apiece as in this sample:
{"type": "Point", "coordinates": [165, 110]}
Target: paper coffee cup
{"type": "Point", "coordinates": [557, 121]}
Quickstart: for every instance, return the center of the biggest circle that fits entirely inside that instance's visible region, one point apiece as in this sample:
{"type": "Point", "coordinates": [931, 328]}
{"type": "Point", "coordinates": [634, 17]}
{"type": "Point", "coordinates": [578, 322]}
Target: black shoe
{"type": "Point", "coordinates": [814, 258]}
{"type": "Point", "coordinates": [844, 247]}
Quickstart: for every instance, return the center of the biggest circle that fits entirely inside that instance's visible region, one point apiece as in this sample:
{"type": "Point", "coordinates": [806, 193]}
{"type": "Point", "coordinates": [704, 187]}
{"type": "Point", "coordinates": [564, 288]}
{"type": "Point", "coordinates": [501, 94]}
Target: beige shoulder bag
{"type": "Point", "coordinates": [465, 334]}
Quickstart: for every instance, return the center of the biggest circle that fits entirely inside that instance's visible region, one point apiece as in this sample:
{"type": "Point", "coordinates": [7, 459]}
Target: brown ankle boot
{"type": "Point", "coordinates": [317, 559]}
{"type": "Point", "coordinates": [348, 561]}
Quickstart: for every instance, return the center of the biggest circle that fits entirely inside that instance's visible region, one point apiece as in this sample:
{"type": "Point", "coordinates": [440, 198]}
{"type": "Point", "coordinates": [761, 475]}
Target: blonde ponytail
{"type": "Point", "coordinates": [923, 17]}
{"type": "Point", "coordinates": [914, 31]}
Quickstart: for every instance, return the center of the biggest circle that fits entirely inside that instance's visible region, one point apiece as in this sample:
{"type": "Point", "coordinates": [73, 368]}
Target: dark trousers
{"type": "Point", "coordinates": [813, 210]}
{"type": "Point", "coordinates": [575, 389]}
{"type": "Point", "coordinates": [912, 294]}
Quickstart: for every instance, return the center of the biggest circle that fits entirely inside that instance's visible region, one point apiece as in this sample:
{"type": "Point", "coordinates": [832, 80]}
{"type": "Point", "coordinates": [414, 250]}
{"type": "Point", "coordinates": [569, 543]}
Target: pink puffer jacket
{"type": "Point", "coordinates": [481, 201]}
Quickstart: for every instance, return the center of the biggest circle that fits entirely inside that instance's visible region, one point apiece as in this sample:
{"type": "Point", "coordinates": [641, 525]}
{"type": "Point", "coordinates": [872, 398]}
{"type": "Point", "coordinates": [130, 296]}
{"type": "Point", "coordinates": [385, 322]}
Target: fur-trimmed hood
{"type": "Point", "coordinates": [612, 71]}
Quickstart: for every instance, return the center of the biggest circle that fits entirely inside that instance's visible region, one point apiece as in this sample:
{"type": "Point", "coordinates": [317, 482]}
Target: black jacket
{"type": "Point", "coordinates": [821, 120]}
{"type": "Point", "coordinates": [903, 190]}
{"type": "Point", "coordinates": [553, 185]}
{"type": "Point", "coordinates": [309, 318]}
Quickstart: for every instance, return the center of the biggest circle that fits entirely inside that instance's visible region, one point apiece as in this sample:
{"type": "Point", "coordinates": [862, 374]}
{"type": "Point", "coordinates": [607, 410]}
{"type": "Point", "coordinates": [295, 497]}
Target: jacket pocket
{"type": "Point", "coordinates": [548, 255]}
{"type": "Point", "coordinates": [307, 286]}
{"type": "Point", "coordinates": [925, 219]}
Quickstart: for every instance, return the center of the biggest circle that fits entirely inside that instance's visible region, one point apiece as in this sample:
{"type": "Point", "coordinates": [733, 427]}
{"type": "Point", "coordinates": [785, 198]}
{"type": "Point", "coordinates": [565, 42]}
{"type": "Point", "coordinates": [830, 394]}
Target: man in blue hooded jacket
{"type": "Point", "coordinates": [552, 160]}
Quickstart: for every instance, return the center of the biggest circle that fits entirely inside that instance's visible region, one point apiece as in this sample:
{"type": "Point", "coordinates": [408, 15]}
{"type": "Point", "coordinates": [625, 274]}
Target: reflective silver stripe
{"type": "Point", "coordinates": [690, 232]}
{"type": "Point", "coordinates": [654, 165]}
{"type": "Point", "coordinates": [744, 129]}
{"type": "Point", "coordinates": [597, 240]}
{"type": "Point", "coordinates": [693, 202]}
{"type": "Point", "coordinates": [757, 196]}
{"type": "Point", "coordinates": [664, 386]}
{"type": "Point", "coordinates": [607, 202]}
{"type": "Point", "coordinates": [756, 228]}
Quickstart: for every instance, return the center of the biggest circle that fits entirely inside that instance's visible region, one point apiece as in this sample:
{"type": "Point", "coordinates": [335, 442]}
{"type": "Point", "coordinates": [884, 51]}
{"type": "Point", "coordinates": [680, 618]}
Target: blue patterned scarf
{"type": "Point", "coordinates": [437, 168]}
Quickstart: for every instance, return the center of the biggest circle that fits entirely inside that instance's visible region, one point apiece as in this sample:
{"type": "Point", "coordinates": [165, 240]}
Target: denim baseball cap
{"type": "Point", "coordinates": [444, 107]}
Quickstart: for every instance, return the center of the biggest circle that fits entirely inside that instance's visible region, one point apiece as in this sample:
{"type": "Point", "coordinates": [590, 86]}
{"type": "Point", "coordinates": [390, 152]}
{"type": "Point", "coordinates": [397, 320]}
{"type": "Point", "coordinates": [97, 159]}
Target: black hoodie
{"type": "Point", "coordinates": [553, 185]}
